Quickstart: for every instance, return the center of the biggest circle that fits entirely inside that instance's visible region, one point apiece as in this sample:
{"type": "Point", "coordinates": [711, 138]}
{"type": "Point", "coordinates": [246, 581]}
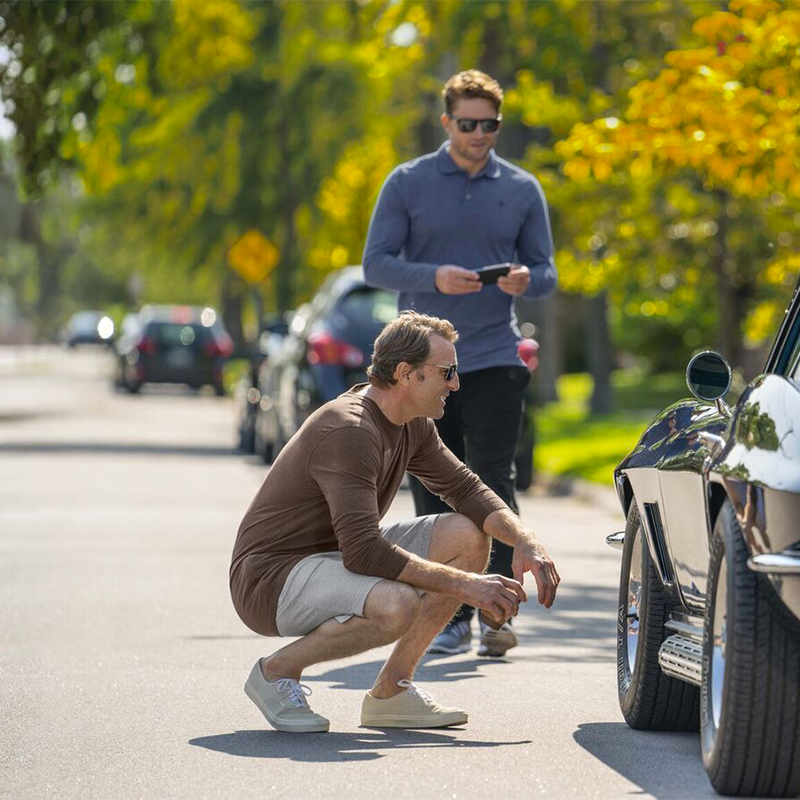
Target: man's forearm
{"type": "Point", "coordinates": [433, 577]}
{"type": "Point", "coordinates": [505, 526]}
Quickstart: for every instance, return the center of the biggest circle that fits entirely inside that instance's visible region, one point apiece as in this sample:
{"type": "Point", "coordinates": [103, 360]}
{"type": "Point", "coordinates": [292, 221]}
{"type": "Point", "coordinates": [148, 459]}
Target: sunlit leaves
{"type": "Point", "coordinates": [210, 43]}
{"type": "Point", "coordinates": [729, 110]}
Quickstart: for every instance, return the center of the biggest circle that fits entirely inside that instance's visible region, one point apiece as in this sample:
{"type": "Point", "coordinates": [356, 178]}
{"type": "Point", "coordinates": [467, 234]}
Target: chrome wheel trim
{"type": "Point", "coordinates": [719, 640]}
{"type": "Point", "coordinates": [633, 603]}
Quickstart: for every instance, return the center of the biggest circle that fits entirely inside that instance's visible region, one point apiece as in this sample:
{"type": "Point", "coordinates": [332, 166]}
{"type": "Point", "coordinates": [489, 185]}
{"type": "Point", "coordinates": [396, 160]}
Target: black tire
{"type": "Point", "coordinates": [247, 443]}
{"type": "Point", "coordinates": [219, 389]}
{"type": "Point", "coordinates": [750, 724]}
{"type": "Point", "coordinates": [261, 447]}
{"type": "Point", "coordinates": [649, 699]}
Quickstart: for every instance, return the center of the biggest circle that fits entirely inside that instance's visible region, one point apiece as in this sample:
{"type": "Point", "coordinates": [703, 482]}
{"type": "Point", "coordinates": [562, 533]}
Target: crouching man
{"type": "Point", "coordinates": [311, 559]}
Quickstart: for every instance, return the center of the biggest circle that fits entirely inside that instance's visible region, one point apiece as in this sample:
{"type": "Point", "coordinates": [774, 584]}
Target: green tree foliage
{"type": "Point", "coordinates": [705, 131]}
{"type": "Point", "coordinates": [184, 124]}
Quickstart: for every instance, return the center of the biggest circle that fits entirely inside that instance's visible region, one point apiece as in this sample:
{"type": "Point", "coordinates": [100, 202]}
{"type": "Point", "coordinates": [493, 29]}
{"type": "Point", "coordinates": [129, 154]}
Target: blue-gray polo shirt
{"type": "Point", "coordinates": [430, 212]}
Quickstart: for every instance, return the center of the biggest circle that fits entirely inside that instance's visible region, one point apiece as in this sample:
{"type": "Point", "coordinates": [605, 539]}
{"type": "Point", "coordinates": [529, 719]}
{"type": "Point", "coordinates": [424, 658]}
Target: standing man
{"type": "Point", "coordinates": [312, 560]}
{"type": "Point", "coordinates": [438, 219]}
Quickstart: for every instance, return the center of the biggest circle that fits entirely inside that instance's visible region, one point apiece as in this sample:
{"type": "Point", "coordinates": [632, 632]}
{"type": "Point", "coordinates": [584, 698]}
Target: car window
{"type": "Point", "coordinates": [174, 334]}
{"type": "Point", "coordinates": [788, 360]}
{"type": "Point", "coordinates": [376, 306]}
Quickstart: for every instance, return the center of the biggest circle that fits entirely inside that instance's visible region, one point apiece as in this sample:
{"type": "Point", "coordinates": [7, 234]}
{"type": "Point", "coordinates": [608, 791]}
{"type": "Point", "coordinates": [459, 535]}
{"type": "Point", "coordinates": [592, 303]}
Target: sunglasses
{"type": "Point", "coordinates": [466, 125]}
{"type": "Point", "coordinates": [448, 370]}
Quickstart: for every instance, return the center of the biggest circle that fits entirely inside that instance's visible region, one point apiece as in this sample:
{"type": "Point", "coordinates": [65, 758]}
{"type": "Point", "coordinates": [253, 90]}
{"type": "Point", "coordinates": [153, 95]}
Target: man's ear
{"type": "Point", "coordinates": [402, 372]}
{"type": "Point", "coordinates": [445, 120]}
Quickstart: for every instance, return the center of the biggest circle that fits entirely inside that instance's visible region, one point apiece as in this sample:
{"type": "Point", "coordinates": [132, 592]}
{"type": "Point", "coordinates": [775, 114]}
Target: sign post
{"type": "Point", "coordinates": [252, 256]}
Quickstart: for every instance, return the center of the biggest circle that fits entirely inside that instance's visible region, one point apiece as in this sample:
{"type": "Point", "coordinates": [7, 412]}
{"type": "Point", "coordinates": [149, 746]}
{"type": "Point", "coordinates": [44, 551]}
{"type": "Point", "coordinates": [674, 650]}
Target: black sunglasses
{"type": "Point", "coordinates": [448, 370]}
{"type": "Point", "coordinates": [466, 125]}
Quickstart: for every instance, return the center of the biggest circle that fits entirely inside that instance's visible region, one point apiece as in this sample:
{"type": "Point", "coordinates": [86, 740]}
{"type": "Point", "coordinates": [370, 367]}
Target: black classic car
{"type": "Point", "coordinates": [708, 621]}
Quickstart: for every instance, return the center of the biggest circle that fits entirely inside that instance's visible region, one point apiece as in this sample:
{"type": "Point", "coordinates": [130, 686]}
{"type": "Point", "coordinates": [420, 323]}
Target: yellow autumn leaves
{"type": "Point", "coordinates": [729, 110]}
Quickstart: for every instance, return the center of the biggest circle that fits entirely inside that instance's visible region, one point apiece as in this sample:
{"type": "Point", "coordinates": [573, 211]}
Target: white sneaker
{"type": "Point", "coordinates": [283, 703]}
{"type": "Point", "coordinates": [413, 708]}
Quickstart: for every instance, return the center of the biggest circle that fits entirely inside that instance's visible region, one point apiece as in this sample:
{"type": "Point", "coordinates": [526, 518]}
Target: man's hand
{"type": "Point", "coordinates": [532, 557]}
{"type": "Point", "coordinates": [517, 280]}
{"type": "Point", "coordinates": [497, 596]}
{"type": "Point", "coordinates": [451, 279]}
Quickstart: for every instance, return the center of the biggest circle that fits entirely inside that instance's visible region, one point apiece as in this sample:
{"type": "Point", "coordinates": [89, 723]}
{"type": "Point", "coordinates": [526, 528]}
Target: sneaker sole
{"type": "Point", "coordinates": [301, 727]}
{"type": "Point", "coordinates": [450, 651]}
{"type": "Point", "coordinates": [446, 720]}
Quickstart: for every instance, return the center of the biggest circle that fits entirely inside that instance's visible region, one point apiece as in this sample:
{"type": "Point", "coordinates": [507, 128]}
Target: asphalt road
{"type": "Point", "coordinates": [122, 661]}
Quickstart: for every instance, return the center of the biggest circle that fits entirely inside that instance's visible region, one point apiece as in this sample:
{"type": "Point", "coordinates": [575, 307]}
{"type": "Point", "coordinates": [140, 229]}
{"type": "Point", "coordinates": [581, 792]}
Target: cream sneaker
{"type": "Point", "coordinates": [283, 703]}
{"type": "Point", "coordinates": [413, 708]}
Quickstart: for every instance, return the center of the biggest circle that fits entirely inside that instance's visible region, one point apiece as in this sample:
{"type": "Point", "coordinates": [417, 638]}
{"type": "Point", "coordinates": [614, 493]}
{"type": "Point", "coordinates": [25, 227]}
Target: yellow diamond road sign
{"type": "Point", "coordinates": [253, 256]}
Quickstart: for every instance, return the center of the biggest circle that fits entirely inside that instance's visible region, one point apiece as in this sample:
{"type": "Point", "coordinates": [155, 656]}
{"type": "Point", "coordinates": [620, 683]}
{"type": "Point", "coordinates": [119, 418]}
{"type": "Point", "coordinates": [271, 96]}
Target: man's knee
{"type": "Point", "coordinates": [456, 538]}
{"type": "Point", "coordinates": [393, 606]}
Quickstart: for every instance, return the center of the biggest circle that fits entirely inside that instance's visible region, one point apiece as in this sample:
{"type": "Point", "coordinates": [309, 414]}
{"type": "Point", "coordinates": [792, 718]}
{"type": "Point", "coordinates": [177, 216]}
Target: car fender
{"type": "Point", "coordinates": [758, 470]}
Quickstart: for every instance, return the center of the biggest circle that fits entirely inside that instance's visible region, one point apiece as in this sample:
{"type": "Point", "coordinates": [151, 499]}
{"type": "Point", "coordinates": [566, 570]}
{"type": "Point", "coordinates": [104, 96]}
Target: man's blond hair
{"type": "Point", "coordinates": [406, 338]}
{"type": "Point", "coordinates": [469, 84]}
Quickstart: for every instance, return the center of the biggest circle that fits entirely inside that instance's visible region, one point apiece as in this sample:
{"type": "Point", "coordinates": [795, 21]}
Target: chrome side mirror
{"type": "Point", "coordinates": [708, 377]}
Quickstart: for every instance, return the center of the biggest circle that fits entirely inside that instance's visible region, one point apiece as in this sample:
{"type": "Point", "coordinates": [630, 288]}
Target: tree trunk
{"type": "Point", "coordinates": [599, 353]}
{"type": "Point", "coordinates": [231, 309]}
{"type": "Point", "coordinates": [729, 340]}
{"type": "Point", "coordinates": [48, 272]}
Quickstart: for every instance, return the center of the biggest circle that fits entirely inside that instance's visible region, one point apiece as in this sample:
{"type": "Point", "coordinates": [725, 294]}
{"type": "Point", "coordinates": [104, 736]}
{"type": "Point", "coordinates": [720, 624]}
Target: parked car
{"type": "Point", "coordinates": [246, 396]}
{"type": "Point", "coordinates": [88, 327]}
{"type": "Point", "coordinates": [172, 344]}
{"type": "Point", "coordinates": [327, 350]}
{"type": "Point", "coordinates": [708, 622]}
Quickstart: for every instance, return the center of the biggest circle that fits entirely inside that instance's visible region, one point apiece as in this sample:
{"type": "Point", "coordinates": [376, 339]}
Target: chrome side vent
{"type": "Point", "coordinates": [681, 657]}
{"type": "Point", "coordinates": [659, 547]}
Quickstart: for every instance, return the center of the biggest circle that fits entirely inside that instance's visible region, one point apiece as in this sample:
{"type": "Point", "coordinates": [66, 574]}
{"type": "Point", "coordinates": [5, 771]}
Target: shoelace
{"type": "Point", "coordinates": [412, 690]}
{"type": "Point", "coordinates": [297, 691]}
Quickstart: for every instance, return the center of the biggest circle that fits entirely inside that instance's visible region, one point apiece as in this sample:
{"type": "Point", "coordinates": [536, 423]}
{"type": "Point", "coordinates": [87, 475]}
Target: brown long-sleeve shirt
{"type": "Point", "coordinates": [328, 490]}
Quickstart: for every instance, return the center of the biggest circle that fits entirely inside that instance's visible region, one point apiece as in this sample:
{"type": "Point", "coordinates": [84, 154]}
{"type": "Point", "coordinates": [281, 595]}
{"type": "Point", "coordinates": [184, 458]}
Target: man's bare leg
{"type": "Point", "coordinates": [455, 541]}
{"type": "Point", "coordinates": [389, 611]}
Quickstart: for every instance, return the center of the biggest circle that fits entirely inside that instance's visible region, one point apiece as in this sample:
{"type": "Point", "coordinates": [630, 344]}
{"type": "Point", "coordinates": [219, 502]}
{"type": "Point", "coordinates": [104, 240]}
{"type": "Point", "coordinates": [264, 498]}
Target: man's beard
{"type": "Point", "coordinates": [470, 154]}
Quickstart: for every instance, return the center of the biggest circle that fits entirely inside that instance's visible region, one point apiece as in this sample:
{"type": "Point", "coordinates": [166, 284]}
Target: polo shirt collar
{"type": "Point", "coordinates": [446, 165]}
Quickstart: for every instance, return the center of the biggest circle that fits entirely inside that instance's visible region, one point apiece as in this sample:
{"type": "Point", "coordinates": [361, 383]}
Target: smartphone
{"type": "Point", "coordinates": [491, 273]}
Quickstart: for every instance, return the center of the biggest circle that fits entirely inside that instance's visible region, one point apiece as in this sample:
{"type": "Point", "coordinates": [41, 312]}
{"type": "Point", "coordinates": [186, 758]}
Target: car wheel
{"type": "Point", "coordinates": [750, 698]}
{"type": "Point", "coordinates": [649, 699]}
{"type": "Point", "coordinates": [247, 443]}
{"type": "Point", "coordinates": [261, 447]}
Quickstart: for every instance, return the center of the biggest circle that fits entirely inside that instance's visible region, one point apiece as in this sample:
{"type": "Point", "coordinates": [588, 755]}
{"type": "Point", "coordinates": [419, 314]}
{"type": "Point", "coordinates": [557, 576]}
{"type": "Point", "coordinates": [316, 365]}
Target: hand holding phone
{"type": "Point", "coordinates": [491, 273]}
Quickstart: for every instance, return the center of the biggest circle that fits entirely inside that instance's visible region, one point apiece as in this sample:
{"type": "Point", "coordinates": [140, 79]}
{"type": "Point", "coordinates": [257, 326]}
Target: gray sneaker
{"type": "Point", "coordinates": [494, 643]}
{"type": "Point", "coordinates": [455, 638]}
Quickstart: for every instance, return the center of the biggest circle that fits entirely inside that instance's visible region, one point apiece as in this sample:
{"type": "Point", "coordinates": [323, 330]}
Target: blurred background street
{"type": "Point", "coordinates": [123, 660]}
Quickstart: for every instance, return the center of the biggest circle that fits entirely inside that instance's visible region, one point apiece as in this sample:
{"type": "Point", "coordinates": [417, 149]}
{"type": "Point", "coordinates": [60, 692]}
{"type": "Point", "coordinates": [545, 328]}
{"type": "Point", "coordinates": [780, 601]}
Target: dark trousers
{"type": "Point", "coordinates": [481, 425]}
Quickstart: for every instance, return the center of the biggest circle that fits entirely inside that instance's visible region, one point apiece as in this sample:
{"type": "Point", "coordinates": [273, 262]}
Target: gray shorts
{"type": "Point", "coordinates": [319, 587]}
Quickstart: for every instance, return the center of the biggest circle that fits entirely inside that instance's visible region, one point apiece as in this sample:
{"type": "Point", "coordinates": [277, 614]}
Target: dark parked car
{"type": "Point", "coordinates": [708, 622]}
{"type": "Point", "coordinates": [173, 344]}
{"type": "Point", "coordinates": [246, 396]}
{"type": "Point", "coordinates": [327, 351]}
{"type": "Point", "coordinates": [88, 327]}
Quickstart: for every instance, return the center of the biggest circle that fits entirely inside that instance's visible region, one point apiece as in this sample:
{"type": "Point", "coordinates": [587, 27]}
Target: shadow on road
{"type": "Point", "coordinates": [114, 448]}
{"type": "Point", "coordinates": [432, 669]}
{"type": "Point", "coordinates": [664, 765]}
{"type": "Point", "coordinates": [580, 626]}
{"type": "Point", "coordinates": [330, 747]}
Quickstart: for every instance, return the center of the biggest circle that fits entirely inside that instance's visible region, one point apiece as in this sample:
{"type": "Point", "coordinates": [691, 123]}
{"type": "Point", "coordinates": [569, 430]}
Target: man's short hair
{"type": "Point", "coordinates": [406, 338]}
{"type": "Point", "coordinates": [471, 83]}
